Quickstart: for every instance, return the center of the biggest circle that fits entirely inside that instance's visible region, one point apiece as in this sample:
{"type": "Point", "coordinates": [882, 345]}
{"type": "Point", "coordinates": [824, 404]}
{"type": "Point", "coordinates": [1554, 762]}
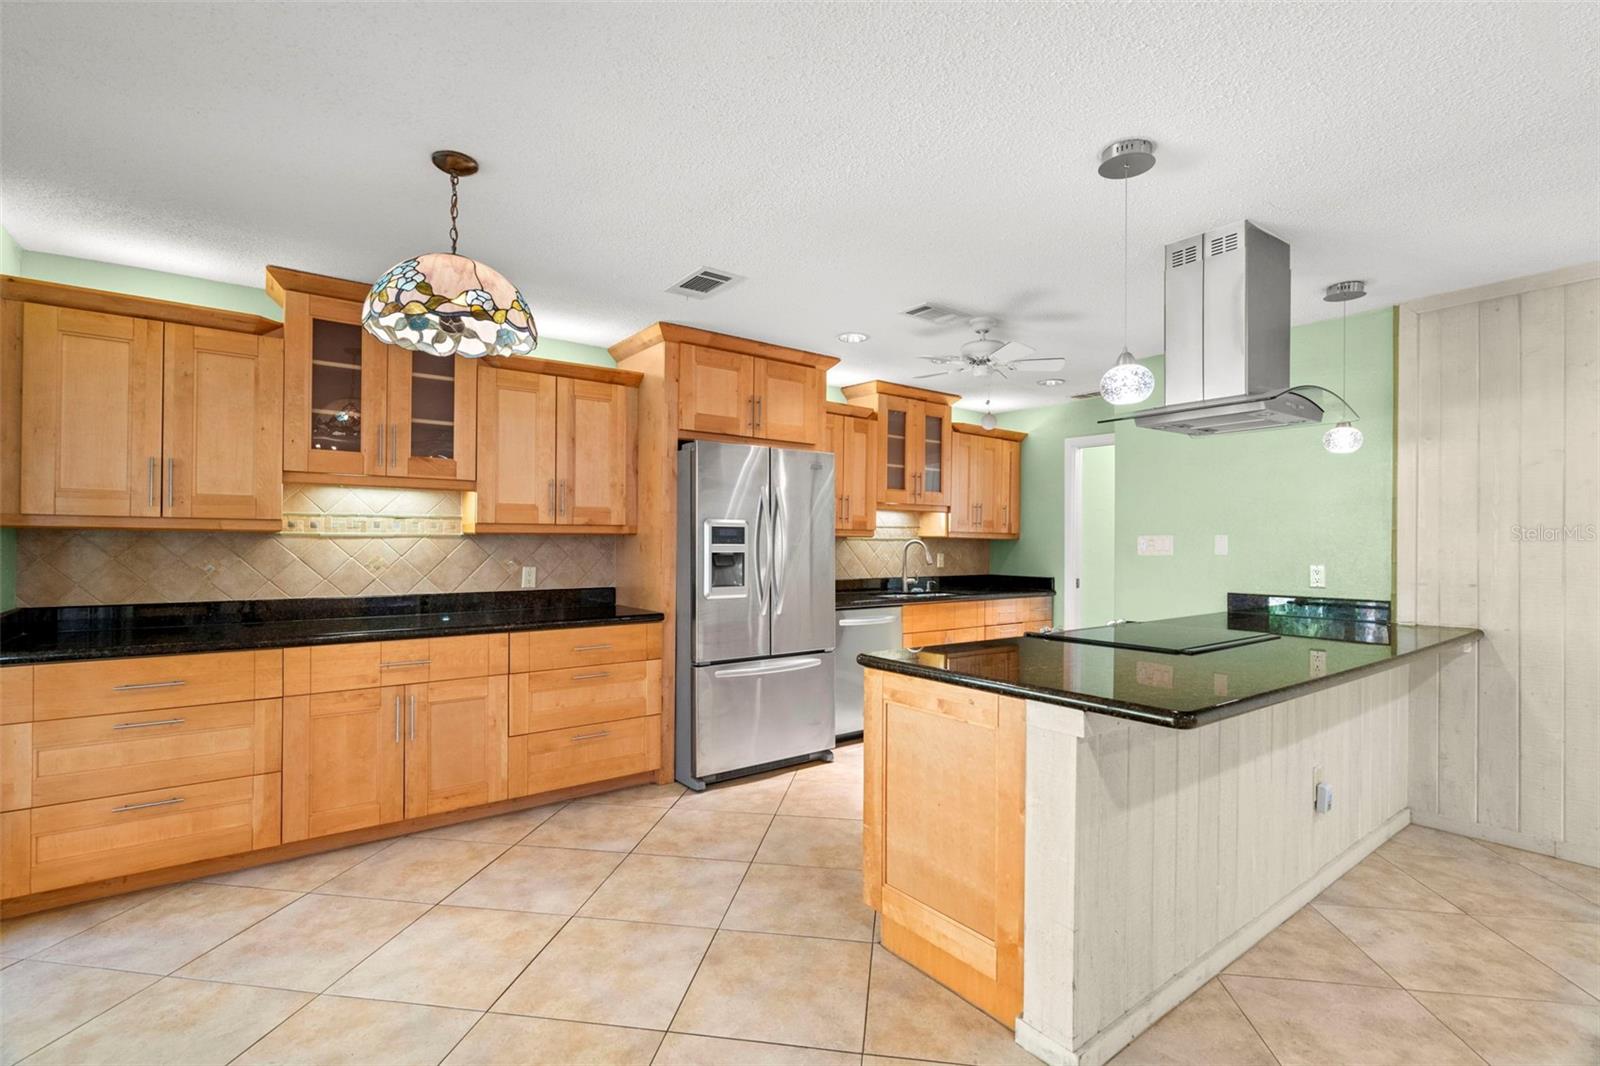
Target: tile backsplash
{"type": "Point", "coordinates": [879, 556]}
{"type": "Point", "coordinates": [67, 567]}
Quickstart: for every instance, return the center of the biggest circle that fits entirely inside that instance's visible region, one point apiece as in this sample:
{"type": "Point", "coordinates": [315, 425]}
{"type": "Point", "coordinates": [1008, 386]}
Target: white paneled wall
{"type": "Point", "coordinates": [1497, 502]}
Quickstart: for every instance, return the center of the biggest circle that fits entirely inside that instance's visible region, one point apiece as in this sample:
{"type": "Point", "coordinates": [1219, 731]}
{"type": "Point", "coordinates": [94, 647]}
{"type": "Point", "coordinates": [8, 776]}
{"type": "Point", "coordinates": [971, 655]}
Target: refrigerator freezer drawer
{"type": "Point", "coordinates": [750, 713]}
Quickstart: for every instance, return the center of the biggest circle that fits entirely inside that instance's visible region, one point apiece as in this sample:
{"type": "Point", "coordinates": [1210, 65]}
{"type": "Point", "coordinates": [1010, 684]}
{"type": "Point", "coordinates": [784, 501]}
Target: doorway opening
{"type": "Point", "coordinates": [1090, 541]}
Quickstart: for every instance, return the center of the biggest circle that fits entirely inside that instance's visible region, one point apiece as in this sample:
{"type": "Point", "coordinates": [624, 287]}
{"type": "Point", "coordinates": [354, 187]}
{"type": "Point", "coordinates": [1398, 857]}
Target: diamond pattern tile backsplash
{"type": "Point", "coordinates": [65, 567]}
{"type": "Point", "coordinates": [879, 556]}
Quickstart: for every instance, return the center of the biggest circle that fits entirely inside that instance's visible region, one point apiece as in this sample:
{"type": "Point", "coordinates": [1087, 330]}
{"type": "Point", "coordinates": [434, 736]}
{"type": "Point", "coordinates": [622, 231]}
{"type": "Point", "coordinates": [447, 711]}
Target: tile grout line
{"type": "Point", "coordinates": [1236, 1006]}
{"type": "Point", "coordinates": [157, 979]}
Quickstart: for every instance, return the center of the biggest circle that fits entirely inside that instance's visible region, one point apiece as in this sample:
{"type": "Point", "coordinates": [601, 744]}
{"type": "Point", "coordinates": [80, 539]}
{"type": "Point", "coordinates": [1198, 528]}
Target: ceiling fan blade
{"type": "Point", "coordinates": [936, 374]}
{"type": "Point", "coordinates": [1009, 351]}
{"type": "Point", "coordinates": [944, 360]}
{"type": "Point", "coordinates": [1047, 364]}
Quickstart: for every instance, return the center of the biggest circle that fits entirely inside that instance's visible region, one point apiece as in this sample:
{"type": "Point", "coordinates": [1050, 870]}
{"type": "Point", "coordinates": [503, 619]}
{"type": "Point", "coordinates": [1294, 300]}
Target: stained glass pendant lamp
{"type": "Point", "coordinates": [1343, 438]}
{"type": "Point", "coordinates": [445, 304]}
{"type": "Point", "coordinates": [1127, 381]}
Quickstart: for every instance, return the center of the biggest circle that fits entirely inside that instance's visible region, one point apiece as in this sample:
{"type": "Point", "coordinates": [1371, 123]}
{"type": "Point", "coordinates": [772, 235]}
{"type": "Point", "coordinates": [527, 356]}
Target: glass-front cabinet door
{"type": "Point", "coordinates": [333, 385]}
{"type": "Point", "coordinates": [429, 416]}
{"type": "Point", "coordinates": [900, 452]}
{"type": "Point", "coordinates": [933, 486]}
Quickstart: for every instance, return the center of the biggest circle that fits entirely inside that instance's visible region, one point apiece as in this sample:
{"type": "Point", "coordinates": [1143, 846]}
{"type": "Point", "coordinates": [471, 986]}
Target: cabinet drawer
{"type": "Point", "coordinates": [559, 699]}
{"type": "Point", "coordinates": [922, 617]}
{"type": "Point", "coordinates": [555, 648]}
{"type": "Point", "coordinates": [79, 758]}
{"type": "Point", "coordinates": [597, 752]}
{"type": "Point", "coordinates": [1016, 629]}
{"type": "Point", "coordinates": [111, 686]}
{"type": "Point", "coordinates": [1008, 612]}
{"type": "Point", "coordinates": [929, 637]}
{"type": "Point", "coordinates": [340, 667]}
{"type": "Point", "coordinates": [76, 843]}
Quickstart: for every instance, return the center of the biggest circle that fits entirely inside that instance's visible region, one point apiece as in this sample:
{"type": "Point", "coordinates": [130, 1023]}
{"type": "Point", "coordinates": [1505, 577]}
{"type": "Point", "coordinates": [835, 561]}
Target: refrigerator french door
{"type": "Point", "coordinates": [755, 609]}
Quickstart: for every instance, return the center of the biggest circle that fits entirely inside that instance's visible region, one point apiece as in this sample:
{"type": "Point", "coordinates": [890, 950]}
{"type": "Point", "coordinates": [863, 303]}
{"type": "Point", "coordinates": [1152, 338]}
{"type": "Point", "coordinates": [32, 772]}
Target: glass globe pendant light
{"type": "Point", "coordinates": [445, 304]}
{"type": "Point", "coordinates": [1127, 381]}
{"type": "Point", "coordinates": [1343, 438]}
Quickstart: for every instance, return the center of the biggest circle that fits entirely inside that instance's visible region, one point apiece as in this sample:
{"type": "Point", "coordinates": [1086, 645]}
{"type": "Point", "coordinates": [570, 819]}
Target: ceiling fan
{"type": "Point", "coordinates": [983, 356]}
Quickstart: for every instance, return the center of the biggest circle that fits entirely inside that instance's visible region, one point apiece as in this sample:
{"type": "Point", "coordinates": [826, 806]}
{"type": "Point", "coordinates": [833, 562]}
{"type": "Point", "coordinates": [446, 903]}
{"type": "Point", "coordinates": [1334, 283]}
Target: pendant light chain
{"type": "Point", "coordinates": [455, 207]}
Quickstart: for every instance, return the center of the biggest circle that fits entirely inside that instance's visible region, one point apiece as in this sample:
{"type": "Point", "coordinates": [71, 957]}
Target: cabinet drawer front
{"type": "Point", "coordinates": [558, 699]}
{"type": "Point", "coordinates": [1008, 612]}
{"type": "Point", "coordinates": [921, 617]}
{"type": "Point", "coordinates": [1016, 629]}
{"type": "Point", "coordinates": [929, 637]}
{"type": "Point", "coordinates": [339, 667]}
{"type": "Point", "coordinates": [75, 843]}
{"type": "Point", "coordinates": [110, 686]}
{"type": "Point", "coordinates": [80, 758]}
{"type": "Point", "coordinates": [564, 757]}
{"type": "Point", "coordinates": [556, 648]}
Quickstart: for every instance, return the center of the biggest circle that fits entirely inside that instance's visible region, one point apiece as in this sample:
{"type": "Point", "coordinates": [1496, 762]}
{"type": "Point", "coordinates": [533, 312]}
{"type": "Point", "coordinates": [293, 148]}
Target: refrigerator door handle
{"type": "Point", "coordinates": [781, 666]}
{"type": "Point", "coordinates": [777, 552]}
{"type": "Point", "coordinates": [760, 574]}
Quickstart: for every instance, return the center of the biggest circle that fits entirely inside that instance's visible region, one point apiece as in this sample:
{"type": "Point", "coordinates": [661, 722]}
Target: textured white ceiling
{"type": "Point", "coordinates": [851, 160]}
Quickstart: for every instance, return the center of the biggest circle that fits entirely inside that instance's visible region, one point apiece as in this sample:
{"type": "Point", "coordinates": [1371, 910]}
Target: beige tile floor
{"type": "Point", "coordinates": [651, 925]}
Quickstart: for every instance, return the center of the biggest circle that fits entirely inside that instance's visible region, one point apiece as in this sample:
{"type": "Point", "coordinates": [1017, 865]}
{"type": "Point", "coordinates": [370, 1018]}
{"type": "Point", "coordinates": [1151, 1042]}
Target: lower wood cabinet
{"type": "Point", "coordinates": [961, 621]}
{"type": "Point", "coordinates": [561, 758]}
{"type": "Point", "coordinates": [455, 744]}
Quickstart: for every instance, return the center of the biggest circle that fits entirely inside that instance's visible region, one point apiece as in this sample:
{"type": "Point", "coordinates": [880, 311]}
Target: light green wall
{"type": "Point", "coordinates": [159, 285]}
{"type": "Point", "coordinates": [1098, 527]}
{"type": "Point", "coordinates": [1283, 502]}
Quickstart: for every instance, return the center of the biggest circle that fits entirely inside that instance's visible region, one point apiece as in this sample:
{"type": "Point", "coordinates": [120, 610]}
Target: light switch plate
{"type": "Point", "coordinates": [1220, 544]}
{"type": "Point", "coordinates": [1319, 576]}
{"type": "Point", "coordinates": [530, 576]}
{"type": "Point", "coordinates": [1155, 544]}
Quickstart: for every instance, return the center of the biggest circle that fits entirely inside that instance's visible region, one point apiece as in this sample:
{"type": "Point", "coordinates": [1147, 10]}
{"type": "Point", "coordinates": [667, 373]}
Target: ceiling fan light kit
{"type": "Point", "coordinates": [1127, 381]}
{"type": "Point", "coordinates": [446, 304]}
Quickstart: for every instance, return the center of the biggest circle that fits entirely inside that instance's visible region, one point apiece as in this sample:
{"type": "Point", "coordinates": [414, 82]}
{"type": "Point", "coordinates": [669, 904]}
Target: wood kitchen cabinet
{"type": "Point", "coordinates": [914, 444]}
{"type": "Point", "coordinates": [985, 483]}
{"type": "Point", "coordinates": [343, 761]}
{"type": "Point", "coordinates": [357, 411]}
{"type": "Point", "coordinates": [136, 423]}
{"type": "Point", "coordinates": [556, 449]}
{"type": "Point", "coordinates": [853, 439]}
{"type": "Point", "coordinates": [735, 394]}
{"type": "Point", "coordinates": [456, 738]}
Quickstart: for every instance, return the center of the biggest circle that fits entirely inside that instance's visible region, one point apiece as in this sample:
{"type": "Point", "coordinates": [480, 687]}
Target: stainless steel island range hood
{"type": "Point", "coordinates": [1227, 337]}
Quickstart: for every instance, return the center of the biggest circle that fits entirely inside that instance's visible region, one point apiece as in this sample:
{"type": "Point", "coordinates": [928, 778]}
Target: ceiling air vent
{"type": "Point", "coordinates": [1225, 242]}
{"type": "Point", "coordinates": [939, 316]}
{"type": "Point", "coordinates": [704, 282]}
{"type": "Point", "coordinates": [1186, 254]}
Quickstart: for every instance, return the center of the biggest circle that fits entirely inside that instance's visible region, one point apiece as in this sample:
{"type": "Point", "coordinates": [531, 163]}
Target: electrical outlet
{"type": "Point", "coordinates": [530, 576]}
{"type": "Point", "coordinates": [1220, 544]}
{"type": "Point", "coordinates": [938, 560]}
{"type": "Point", "coordinates": [1316, 789]}
{"type": "Point", "coordinates": [1319, 663]}
{"type": "Point", "coordinates": [1319, 576]}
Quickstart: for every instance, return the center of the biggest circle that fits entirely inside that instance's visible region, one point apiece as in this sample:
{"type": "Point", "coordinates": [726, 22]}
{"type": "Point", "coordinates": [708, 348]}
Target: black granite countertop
{"type": "Point", "coordinates": [59, 634]}
{"type": "Point", "coordinates": [1177, 691]}
{"type": "Point", "coordinates": [852, 593]}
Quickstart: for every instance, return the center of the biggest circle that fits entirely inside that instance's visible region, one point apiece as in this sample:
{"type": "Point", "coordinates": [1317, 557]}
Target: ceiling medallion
{"type": "Point", "coordinates": [445, 304]}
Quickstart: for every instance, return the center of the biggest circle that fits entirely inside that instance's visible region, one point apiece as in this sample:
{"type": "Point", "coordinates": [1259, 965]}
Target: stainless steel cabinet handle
{"type": "Point", "coordinates": [148, 684]}
{"type": "Point", "coordinates": [758, 412]}
{"type": "Point", "coordinates": [142, 806]}
{"type": "Point", "coordinates": [172, 466]}
{"type": "Point", "coordinates": [591, 676]}
{"type": "Point", "coordinates": [751, 402]}
{"type": "Point", "coordinates": [592, 736]}
{"type": "Point", "coordinates": [591, 647]}
{"type": "Point", "coordinates": [397, 717]}
{"type": "Point", "coordinates": [147, 725]}
{"type": "Point", "coordinates": [404, 662]}
{"type": "Point", "coordinates": [561, 497]}
{"type": "Point", "coordinates": [553, 510]}
{"type": "Point", "coordinates": [412, 713]}
{"type": "Point", "coordinates": [847, 508]}
{"type": "Point", "coordinates": [150, 478]}
{"type": "Point", "coordinates": [394, 444]}
{"type": "Point", "coordinates": [380, 447]}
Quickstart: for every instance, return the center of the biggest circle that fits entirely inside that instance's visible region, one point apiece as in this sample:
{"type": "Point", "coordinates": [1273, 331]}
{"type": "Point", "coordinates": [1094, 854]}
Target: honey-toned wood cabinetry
{"type": "Point", "coordinates": [986, 482]}
{"type": "Point", "coordinates": [853, 439]}
{"type": "Point", "coordinates": [556, 450]}
{"type": "Point", "coordinates": [914, 444]}
{"type": "Point", "coordinates": [133, 422]}
{"type": "Point", "coordinates": [942, 841]}
{"type": "Point", "coordinates": [455, 744]}
{"type": "Point", "coordinates": [960, 621]}
{"type": "Point", "coordinates": [344, 761]}
{"type": "Point", "coordinates": [737, 394]}
{"type": "Point", "coordinates": [358, 411]}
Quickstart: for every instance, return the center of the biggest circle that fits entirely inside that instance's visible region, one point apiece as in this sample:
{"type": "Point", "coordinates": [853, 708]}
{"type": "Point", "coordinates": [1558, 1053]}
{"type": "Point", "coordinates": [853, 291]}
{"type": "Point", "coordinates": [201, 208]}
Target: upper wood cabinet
{"type": "Point", "coordinates": [853, 439]}
{"type": "Point", "coordinates": [556, 450]}
{"type": "Point", "coordinates": [738, 395]}
{"type": "Point", "coordinates": [135, 422]}
{"type": "Point", "coordinates": [986, 468]}
{"type": "Point", "coordinates": [360, 411]}
{"type": "Point", "coordinates": [914, 446]}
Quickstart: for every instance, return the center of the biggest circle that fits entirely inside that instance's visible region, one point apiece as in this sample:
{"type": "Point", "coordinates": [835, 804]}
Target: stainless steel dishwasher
{"type": "Point", "coordinates": [859, 630]}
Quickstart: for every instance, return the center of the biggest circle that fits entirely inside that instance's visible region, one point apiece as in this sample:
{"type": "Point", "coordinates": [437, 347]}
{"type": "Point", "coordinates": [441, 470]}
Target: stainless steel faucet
{"type": "Point", "coordinates": [905, 553]}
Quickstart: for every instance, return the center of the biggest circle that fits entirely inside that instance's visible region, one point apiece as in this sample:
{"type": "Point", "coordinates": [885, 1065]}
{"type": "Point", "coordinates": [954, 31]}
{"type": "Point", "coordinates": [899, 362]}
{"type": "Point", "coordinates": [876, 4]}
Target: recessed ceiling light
{"type": "Point", "coordinates": [852, 337]}
{"type": "Point", "coordinates": [1052, 382]}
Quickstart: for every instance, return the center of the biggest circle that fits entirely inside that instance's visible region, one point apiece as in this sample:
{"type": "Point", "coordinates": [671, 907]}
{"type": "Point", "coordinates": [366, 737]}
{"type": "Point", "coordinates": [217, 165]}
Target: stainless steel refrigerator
{"type": "Point", "coordinates": [755, 609]}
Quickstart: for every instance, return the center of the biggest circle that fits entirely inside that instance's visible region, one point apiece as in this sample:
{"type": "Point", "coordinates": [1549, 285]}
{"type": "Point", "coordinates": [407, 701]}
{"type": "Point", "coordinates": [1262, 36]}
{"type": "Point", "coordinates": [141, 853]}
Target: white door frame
{"type": "Point", "coordinates": [1073, 469]}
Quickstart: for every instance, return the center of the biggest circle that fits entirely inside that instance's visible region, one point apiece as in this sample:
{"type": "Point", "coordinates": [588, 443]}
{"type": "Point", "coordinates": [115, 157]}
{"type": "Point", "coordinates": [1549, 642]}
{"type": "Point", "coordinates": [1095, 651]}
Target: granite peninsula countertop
{"type": "Point", "coordinates": [852, 593]}
{"type": "Point", "coordinates": [62, 634]}
{"type": "Point", "coordinates": [1176, 691]}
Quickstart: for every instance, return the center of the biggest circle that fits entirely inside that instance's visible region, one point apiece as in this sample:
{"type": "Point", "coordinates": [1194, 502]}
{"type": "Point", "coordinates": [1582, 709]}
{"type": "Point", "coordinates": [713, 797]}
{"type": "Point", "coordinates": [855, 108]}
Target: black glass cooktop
{"type": "Point", "coordinates": [1171, 638]}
